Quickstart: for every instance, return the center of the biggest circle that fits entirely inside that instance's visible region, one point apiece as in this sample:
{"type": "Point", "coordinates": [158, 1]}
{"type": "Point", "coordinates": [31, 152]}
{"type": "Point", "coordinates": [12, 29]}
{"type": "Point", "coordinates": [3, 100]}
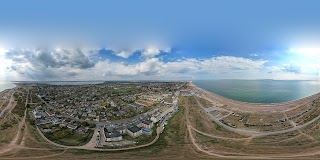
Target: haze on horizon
{"type": "Point", "coordinates": [165, 40]}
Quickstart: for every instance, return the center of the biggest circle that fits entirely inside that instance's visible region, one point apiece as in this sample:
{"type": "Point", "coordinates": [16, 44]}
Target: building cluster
{"type": "Point", "coordinates": [49, 122]}
{"type": "Point", "coordinates": [115, 133]}
{"type": "Point", "coordinates": [105, 102]}
{"type": "Point", "coordinates": [119, 108]}
{"type": "Point", "coordinates": [141, 125]}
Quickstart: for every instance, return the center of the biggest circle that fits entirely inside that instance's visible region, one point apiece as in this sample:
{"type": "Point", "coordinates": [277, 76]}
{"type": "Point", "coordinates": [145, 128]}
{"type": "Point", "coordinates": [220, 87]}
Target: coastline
{"type": "Point", "coordinates": [247, 106]}
{"type": "Point", "coordinates": [14, 85]}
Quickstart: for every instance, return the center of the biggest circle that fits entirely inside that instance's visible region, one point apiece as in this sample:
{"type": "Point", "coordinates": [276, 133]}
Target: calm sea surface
{"type": "Point", "coordinates": [6, 85]}
{"type": "Point", "coordinates": [260, 91]}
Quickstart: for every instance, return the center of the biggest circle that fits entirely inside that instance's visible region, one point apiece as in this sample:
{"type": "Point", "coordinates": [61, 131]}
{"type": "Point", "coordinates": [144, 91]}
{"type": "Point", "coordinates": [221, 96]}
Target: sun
{"type": "Point", "coordinates": [308, 58]}
{"type": "Point", "coordinates": [2, 50]}
{"type": "Point", "coordinates": [306, 51]}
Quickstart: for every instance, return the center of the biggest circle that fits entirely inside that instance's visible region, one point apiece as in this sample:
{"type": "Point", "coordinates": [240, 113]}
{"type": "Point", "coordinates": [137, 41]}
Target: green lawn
{"type": "Point", "coordinates": [69, 138]}
{"type": "Point", "coordinates": [122, 90]}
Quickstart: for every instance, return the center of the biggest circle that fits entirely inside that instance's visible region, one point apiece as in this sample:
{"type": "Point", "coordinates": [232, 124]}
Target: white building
{"type": "Point", "coordinates": [134, 131]}
{"type": "Point", "coordinates": [156, 117]}
{"type": "Point", "coordinates": [113, 136]}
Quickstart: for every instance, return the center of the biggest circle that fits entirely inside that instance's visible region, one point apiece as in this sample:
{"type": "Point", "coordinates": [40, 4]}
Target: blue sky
{"type": "Point", "coordinates": [143, 39]}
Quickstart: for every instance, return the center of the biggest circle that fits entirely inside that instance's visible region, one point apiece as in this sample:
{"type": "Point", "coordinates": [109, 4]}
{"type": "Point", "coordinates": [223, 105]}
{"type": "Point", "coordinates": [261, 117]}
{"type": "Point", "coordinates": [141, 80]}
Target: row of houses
{"type": "Point", "coordinates": [161, 112]}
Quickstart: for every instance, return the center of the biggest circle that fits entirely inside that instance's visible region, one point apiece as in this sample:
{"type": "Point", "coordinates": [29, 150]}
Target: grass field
{"type": "Point", "coordinates": [69, 138]}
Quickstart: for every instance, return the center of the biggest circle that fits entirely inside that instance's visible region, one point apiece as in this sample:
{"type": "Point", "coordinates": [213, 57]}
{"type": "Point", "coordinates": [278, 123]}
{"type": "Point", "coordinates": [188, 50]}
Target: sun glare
{"type": "Point", "coordinates": [2, 50]}
{"type": "Point", "coordinates": [306, 51]}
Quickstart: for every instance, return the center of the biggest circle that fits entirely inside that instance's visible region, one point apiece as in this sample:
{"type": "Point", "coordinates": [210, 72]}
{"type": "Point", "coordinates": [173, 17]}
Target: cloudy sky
{"type": "Point", "coordinates": [159, 40]}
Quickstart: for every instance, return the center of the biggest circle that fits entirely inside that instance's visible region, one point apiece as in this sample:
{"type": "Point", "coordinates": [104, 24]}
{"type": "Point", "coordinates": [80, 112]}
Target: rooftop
{"type": "Point", "coordinates": [134, 129]}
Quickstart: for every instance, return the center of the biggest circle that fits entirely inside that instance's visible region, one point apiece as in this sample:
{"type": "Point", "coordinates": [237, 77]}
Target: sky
{"type": "Point", "coordinates": [159, 40]}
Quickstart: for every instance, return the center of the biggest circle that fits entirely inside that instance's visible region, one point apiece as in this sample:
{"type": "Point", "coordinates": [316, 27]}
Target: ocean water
{"type": "Point", "coordinates": [6, 85]}
{"type": "Point", "coordinates": [260, 91]}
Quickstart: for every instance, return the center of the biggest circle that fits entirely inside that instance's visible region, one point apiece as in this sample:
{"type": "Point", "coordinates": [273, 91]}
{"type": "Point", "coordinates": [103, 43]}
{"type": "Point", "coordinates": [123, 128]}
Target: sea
{"type": "Point", "coordinates": [260, 91]}
{"type": "Point", "coordinates": [6, 85]}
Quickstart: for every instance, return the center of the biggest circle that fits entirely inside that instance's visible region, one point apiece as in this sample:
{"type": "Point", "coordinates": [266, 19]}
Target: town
{"type": "Point", "coordinates": [106, 115]}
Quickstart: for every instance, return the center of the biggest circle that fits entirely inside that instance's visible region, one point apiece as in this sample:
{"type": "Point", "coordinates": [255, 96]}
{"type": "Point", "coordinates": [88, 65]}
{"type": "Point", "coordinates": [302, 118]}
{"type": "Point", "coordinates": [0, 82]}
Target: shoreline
{"type": "Point", "coordinates": [247, 106]}
{"type": "Point", "coordinates": [13, 86]}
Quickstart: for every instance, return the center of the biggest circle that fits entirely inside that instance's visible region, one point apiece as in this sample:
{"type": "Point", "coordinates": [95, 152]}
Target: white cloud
{"type": "Point", "coordinates": [75, 64]}
{"type": "Point", "coordinates": [154, 68]}
{"type": "Point", "coordinates": [46, 64]}
{"type": "Point", "coordinates": [124, 53]}
{"type": "Point", "coordinates": [148, 52]}
{"type": "Point", "coordinates": [308, 59]}
{"type": "Point", "coordinates": [153, 51]}
{"type": "Point", "coordinates": [254, 55]}
{"type": "Point", "coordinates": [5, 73]}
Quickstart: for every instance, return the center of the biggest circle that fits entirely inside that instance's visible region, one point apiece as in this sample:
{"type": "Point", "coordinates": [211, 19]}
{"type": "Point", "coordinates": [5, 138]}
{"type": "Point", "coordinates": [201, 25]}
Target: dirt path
{"type": "Point", "coordinates": [9, 106]}
{"type": "Point", "coordinates": [14, 143]}
{"type": "Point", "coordinates": [36, 157]}
{"type": "Point", "coordinates": [255, 133]}
{"type": "Point", "coordinates": [190, 130]}
{"type": "Point", "coordinates": [219, 137]}
{"type": "Point", "coordinates": [21, 133]}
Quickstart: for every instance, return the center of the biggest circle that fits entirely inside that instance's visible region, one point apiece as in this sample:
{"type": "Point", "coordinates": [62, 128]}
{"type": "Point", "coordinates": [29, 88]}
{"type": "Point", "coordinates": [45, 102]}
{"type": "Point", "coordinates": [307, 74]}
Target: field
{"type": "Point", "coordinates": [69, 138]}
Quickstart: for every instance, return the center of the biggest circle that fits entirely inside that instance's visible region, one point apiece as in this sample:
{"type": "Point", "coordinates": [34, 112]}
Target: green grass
{"type": "Point", "coordinates": [213, 140]}
{"type": "Point", "coordinates": [20, 107]}
{"type": "Point", "coordinates": [172, 131]}
{"type": "Point", "coordinates": [69, 138]}
{"type": "Point", "coordinates": [290, 135]}
{"type": "Point", "coordinates": [218, 127]}
{"type": "Point", "coordinates": [122, 90]}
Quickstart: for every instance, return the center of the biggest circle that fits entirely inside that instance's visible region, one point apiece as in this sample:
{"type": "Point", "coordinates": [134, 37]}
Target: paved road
{"type": "Point", "coordinates": [248, 132]}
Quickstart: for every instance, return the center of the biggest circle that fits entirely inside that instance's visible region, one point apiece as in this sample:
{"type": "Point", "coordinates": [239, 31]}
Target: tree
{"type": "Point", "coordinates": [84, 123]}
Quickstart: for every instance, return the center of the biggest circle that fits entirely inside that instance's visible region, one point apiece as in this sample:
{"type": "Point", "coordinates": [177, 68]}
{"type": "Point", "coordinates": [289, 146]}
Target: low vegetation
{"type": "Point", "coordinates": [68, 137]}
